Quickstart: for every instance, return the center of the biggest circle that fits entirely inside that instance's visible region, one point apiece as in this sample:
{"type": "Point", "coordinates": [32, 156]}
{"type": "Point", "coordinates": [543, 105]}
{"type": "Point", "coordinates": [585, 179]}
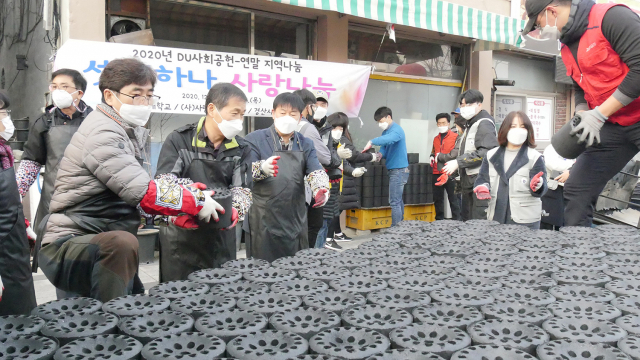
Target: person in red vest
{"type": "Point", "coordinates": [444, 149]}
{"type": "Point", "coordinates": [601, 50]}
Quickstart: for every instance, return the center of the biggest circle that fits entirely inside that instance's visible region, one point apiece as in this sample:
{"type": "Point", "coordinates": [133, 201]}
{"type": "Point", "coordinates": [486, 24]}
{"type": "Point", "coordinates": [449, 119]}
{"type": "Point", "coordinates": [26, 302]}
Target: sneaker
{"type": "Point", "coordinates": [332, 245]}
{"type": "Point", "coordinates": [341, 238]}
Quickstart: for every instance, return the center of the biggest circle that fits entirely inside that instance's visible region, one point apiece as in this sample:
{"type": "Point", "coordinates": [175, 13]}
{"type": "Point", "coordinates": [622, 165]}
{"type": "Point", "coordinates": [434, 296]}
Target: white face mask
{"type": "Point", "coordinates": [135, 115]}
{"type": "Point", "coordinates": [320, 113]}
{"type": "Point", "coordinates": [8, 128]}
{"type": "Point", "coordinates": [517, 136]}
{"type": "Point", "coordinates": [550, 32]}
{"type": "Point", "coordinates": [443, 129]}
{"type": "Point", "coordinates": [62, 99]}
{"type": "Point", "coordinates": [336, 135]}
{"type": "Point", "coordinates": [383, 125]}
{"type": "Point", "coordinates": [229, 128]}
{"type": "Point", "coordinates": [469, 112]}
{"type": "Point", "coordinates": [286, 124]}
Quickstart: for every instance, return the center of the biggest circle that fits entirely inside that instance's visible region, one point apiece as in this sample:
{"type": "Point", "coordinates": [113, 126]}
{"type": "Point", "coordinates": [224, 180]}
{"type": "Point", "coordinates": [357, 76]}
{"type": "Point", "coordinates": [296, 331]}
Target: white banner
{"type": "Point", "coordinates": [185, 76]}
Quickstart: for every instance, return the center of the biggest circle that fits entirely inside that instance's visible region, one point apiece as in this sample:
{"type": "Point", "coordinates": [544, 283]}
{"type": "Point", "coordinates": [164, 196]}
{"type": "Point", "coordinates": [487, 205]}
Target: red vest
{"type": "Point", "coordinates": [444, 146]}
{"type": "Point", "coordinates": [599, 70]}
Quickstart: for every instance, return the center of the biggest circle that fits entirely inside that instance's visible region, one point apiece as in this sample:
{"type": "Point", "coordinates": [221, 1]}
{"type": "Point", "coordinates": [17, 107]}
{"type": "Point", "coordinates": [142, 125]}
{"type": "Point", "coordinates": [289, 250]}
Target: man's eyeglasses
{"type": "Point", "coordinates": [53, 87]}
{"type": "Point", "coordinates": [4, 113]}
{"type": "Point", "coordinates": [143, 100]}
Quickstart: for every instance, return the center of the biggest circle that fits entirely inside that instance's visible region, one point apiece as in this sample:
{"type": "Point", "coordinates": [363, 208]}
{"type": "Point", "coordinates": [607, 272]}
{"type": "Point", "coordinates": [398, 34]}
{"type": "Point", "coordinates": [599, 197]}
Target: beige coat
{"type": "Point", "coordinates": [103, 155]}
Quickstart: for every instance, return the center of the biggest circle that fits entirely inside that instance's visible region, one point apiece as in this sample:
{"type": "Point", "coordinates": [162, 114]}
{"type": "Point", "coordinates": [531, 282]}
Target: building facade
{"type": "Point", "coordinates": [440, 49]}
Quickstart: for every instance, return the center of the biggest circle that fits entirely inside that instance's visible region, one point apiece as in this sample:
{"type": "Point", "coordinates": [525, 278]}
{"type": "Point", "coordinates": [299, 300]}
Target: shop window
{"type": "Point", "coordinates": [200, 27]}
{"type": "Point", "coordinates": [406, 56]}
{"type": "Point", "coordinates": [281, 38]}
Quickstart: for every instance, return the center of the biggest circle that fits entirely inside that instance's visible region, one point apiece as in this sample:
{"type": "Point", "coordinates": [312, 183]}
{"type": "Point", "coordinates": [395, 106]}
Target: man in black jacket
{"type": "Point", "coordinates": [479, 137]}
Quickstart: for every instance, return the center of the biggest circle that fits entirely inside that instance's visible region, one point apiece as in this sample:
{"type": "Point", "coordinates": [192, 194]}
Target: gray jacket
{"type": "Point", "coordinates": [310, 132]}
{"type": "Point", "coordinates": [104, 154]}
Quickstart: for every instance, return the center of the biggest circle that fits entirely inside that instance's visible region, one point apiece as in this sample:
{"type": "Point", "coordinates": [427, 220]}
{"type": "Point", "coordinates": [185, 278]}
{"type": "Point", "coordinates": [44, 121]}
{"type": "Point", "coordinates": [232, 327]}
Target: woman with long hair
{"type": "Point", "coordinates": [513, 175]}
{"type": "Point", "coordinates": [344, 193]}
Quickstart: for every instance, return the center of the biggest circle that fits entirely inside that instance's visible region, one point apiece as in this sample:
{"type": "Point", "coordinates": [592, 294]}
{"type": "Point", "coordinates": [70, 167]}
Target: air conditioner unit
{"type": "Point", "coordinates": [121, 25]}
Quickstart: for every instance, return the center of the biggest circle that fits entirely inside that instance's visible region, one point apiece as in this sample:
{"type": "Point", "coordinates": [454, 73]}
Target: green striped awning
{"type": "Point", "coordinates": [434, 15]}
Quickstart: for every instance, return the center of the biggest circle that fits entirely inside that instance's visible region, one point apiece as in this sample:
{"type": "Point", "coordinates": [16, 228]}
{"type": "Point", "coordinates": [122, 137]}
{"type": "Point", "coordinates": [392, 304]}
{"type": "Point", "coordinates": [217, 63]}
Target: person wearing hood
{"type": "Point", "coordinates": [443, 144]}
{"type": "Point", "coordinates": [601, 50]}
{"type": "Point", "coordinates": [513, 176]}
{"type": "Point", "coordinates": [17, 294]}
{"type": "Point", "coordinates": [50, 134]}
{"type": "Point", "coordinates": [281, 161]}
{"type": "Point", "coordinates": [479, 137]}
{"type": "Point", "coordinates": [89, 246]}
{"type": "Point", "coordinates": [328, 159]}
{"type": "Point", "coordinates": [208, 152]}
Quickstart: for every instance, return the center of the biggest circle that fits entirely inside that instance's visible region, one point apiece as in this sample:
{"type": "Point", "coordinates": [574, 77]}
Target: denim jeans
{"type": "Point", "coordinates": [322, 234]}
{"type": "Point", "coordinates": [397, 180]}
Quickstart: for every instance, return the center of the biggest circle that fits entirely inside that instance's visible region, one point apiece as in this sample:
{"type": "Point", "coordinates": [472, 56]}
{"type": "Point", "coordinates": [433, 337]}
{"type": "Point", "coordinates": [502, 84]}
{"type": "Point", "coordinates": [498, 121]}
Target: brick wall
{"type": "Point", "coordinates": [561, 112]}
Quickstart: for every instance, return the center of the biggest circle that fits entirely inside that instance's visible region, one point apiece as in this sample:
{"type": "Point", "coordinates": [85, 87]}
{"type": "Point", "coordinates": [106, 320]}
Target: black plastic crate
{"type": "Point", "coordinates": [385, 201]}
{"type": "Point", "coordinates": [413, 158]}
{"type": "Point", "coordinates": [377, 201]}
{"type": "Point", "coordinates": [367, 202]}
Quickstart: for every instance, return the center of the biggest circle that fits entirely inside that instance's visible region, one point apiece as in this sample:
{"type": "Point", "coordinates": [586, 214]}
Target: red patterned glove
{"type": "Point", "coordinates": [482, 192]}
{"type": "Point", "coordinates": [166, 197]}
{"type": "Point", "coordinates": [184, 221]}
{"type": "Point", "coordinates": [536, 182]}
{"type": "Point", "coordinates": [442, 180]}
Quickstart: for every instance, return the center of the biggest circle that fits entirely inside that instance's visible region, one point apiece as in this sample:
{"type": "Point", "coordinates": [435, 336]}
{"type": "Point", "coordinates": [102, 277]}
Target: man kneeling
{"type": "Point", "coordinates": [90, 247]}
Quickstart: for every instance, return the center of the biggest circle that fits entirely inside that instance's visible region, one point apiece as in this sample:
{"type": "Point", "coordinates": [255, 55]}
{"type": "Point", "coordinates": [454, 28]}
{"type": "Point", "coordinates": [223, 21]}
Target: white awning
{"type": "Point", "coordinates": [434, 15]}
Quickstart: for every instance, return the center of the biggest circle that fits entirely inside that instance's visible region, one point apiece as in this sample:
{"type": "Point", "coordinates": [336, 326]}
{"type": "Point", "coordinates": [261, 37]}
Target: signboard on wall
{"type": "Point", "coordinates": [185, 76]}
{"type": "Point", "coordinates": [506, 104]}
{"type": "Point", "coordinates": [540, 112]}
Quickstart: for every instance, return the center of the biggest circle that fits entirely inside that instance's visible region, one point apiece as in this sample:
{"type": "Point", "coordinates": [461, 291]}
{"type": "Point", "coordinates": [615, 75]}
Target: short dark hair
{"type": "Point", "coordinates": [220, 94]}
{"type": "Point", "coordinates": [340, 119]}
{"type": "Point", "coordinates": [122, 72]}
{"type": "Point", "coordinates": [288, 99]}
{"type": "Point", "coordinates": [506, 126]}
{"type": "Point", "coordinates": [561, 3]}
{"type": "Point", "coordinates": [5, 102]}
{"type": "Point", "coordinates": [460, 121]}
{"type": "Point", "coordinates": [307, 97]}
{"type": "Point", "coordinates": [78, 80]}
{"type": "Point", "coordinates": [443, 115]}
{"type": "Point", "coordinates": [382, 112]}
{"type": "Point", "coordinates": [471, 96]}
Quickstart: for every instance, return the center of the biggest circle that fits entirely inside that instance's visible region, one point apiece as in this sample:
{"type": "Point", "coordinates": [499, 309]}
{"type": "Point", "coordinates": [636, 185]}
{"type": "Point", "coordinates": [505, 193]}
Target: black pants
{"type": "Point", "coordinates": [102, 266]}
{"type": "Point", "coordinates": [594, 167]}
{"type": "Point", "coordinates": [472, 208]}
{"type": "Point", "coordinates": [314, 223]}
{"type": "Point", "coordinates": [438, 199]}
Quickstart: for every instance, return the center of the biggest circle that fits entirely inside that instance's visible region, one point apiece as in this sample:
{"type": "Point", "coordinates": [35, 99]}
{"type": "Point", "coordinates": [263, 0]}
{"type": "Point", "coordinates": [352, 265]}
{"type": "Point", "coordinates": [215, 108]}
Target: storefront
{"type": "Point", "coordinates": [418, 74]}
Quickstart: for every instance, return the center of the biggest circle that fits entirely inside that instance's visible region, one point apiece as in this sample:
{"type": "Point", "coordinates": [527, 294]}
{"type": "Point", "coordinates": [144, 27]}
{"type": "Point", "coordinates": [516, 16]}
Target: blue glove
{"type": "Point", "coordinates": [589, 127]}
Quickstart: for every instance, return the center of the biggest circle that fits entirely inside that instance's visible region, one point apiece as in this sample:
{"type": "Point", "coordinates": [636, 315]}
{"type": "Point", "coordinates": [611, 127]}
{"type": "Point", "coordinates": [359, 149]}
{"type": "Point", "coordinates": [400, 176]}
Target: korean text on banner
{"type": "Point", "coordinates": [185, 76]}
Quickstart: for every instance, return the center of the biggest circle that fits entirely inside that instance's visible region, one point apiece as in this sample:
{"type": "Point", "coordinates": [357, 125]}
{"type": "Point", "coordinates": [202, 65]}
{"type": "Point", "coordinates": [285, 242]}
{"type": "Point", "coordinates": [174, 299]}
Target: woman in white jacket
{"type": "Point", "coordinates": [513, 175]}
{"type": "Point", "coordinates": [553, 201]}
